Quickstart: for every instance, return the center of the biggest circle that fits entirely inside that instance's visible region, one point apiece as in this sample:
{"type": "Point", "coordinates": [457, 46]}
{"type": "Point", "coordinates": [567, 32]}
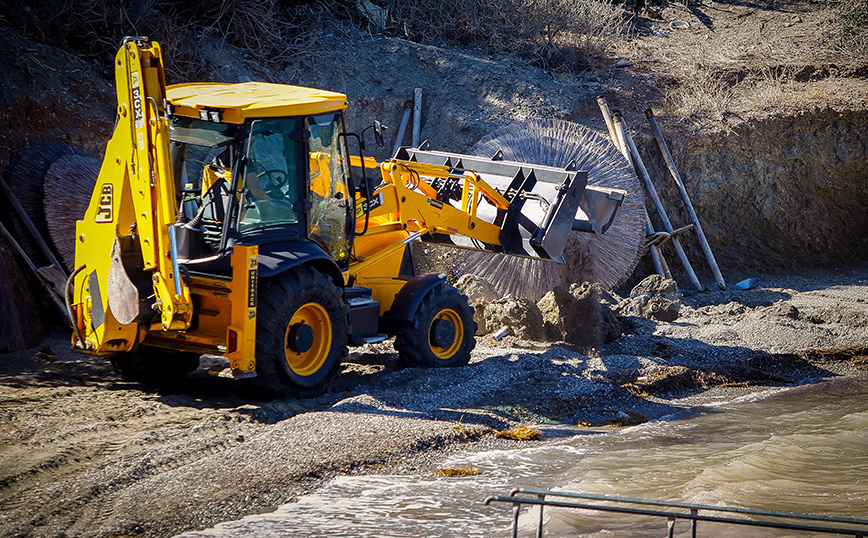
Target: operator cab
{"type": "Point", "coordinates": [263, 179]}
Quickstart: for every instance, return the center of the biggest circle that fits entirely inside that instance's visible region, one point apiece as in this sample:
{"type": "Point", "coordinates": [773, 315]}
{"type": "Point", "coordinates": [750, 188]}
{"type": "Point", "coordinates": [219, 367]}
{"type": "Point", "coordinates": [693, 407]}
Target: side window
{"type": "Point", "coordinates": [330, 211]}
{"type": "Point", "coordinates": [271, 176]}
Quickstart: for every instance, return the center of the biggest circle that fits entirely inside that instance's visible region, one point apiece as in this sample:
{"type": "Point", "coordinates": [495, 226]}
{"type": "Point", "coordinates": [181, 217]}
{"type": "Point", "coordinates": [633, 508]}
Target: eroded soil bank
{"type": "Point", "coordinates": [84, 453]}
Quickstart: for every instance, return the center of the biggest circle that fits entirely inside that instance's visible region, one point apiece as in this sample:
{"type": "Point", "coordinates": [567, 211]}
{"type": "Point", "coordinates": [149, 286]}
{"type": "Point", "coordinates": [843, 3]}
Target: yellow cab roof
{"type": "Point", "coordinates": [238, 102]}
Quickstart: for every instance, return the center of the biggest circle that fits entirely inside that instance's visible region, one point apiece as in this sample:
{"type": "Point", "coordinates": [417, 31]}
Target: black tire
{"type": "Point", "coordinates": [301, 333]}
{"type": "Point", "coordinates": [155, 366]}
{"type": "Point", "coordinates": [442, 331]}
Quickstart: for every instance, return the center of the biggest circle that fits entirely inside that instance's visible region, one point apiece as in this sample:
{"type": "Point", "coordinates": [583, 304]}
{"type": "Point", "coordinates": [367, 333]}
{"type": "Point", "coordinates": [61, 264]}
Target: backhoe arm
{"type": "Point", "coordinates": [141, 88]}
{"type": "Point", "coordinates": [124, 246]}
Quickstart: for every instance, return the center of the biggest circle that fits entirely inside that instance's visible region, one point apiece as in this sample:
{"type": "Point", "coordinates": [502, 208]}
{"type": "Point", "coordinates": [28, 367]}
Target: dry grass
{"type": "Point", "coordinates": [270, 33]}
{"type": "Point", "coordinates": [522, 432]}
{"type": "Point", "coordinates": [705, 93]}
{"type": "Point", "coordinates": [556, 34]}
{"type": "Point", "coordinates": [715, 93]}
{"type": "Point", "coordinates": [850, 34]}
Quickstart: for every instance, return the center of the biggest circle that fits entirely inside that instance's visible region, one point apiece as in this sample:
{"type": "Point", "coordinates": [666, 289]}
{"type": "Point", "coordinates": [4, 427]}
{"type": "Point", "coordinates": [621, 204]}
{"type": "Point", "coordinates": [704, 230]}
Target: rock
{"type": "Point", "coordinates": [477, 289]}
{"type": "Point", "coordinates": [559, 314]}
{"type": "Point", "coordinates": [654, 298]}
{"type": "Point", "coordinates": [657, 285]}
{"type": "Point", "coordinates": [522, 316]}
{"type": "Point", "coordinates": [579, 316]}
{"type": "Point", "coordinates": [783, 309]}
{"type": "Point", "coordinates": [602, 325]}
{"type": "Point", "coordinates": [479, 292]}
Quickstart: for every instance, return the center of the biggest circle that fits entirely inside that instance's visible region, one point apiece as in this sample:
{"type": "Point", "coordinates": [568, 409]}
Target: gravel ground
{"type": "Point", "coordinates": [84, 453]}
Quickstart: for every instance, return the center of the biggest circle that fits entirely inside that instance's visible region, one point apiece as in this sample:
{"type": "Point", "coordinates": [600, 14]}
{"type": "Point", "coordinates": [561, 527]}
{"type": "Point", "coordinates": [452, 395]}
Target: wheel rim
{"type": "Point", "coordinates": [306, 355]}
{"type": "Point", "coordinates": [441, 349]}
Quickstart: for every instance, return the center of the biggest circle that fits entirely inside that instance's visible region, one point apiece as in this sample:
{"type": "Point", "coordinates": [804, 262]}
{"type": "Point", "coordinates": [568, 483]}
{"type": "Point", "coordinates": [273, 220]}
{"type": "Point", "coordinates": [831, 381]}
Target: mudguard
{"type": "Point", "coordinates": [275, 258]}
{"type": "Point", "coordinates": [407, 300]}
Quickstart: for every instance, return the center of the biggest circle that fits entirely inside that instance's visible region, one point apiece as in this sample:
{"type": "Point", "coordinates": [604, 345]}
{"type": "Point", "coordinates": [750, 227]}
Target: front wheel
{"type": "Point", "coordinates": [441, 332]}
{"type": "Point", "coordinates": [301, 332]}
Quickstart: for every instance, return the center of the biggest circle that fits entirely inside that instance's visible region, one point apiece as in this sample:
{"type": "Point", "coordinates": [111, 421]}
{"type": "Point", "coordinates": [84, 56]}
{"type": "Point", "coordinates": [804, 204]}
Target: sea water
{"type": "Point", "coordinates": [802, 449]}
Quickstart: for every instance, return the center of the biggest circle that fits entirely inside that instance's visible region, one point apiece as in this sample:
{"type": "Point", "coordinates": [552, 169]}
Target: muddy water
{"type": "Point", "coordinates": [801, 450]}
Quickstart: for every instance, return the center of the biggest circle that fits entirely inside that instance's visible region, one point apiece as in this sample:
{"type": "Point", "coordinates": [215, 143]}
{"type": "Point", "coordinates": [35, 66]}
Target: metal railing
{"type": "Point", "coordinates": [859, 527]}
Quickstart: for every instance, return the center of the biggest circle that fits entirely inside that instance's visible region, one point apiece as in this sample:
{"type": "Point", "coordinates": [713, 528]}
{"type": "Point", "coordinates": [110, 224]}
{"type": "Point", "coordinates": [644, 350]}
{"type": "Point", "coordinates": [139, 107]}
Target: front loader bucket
{"type": "Point", "coordinates": [545, 203]}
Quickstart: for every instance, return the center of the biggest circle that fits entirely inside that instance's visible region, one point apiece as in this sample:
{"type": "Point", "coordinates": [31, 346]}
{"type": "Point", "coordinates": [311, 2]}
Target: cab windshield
{"type": "Point", "coordinates": [265, 166]}
{"type": "Point", "coordinates": [271, 176]}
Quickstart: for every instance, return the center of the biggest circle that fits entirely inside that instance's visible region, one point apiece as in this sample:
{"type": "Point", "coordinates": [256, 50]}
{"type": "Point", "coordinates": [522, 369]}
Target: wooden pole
{"type": "Point", "coordinates": [694, 219]}
{"type": "Point", "coordinates": [49, 255]}
{"type": "Point", "coordinates": [408, 107]}
{"type": "Point", "coordinates": [607, 116]}
{"type": "Point", "coordinates": [417, 117]}
{"type": "Point", "coordinates": [660, 265]}
{"type": "Point", "coordinates": [51, 293]}
{"type": "Point", "coordinates": [655, 198]}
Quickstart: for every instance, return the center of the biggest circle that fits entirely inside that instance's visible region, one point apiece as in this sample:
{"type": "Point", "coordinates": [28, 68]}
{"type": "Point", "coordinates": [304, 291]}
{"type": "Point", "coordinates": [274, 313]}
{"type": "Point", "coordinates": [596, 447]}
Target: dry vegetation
{"type": "Point", "coordinates": [850, 34]}
{"type": "Point", "coordinates": [522, 432]}
{"type": "Point", "coordinates": [272, 33]}
{"type": "Point", "coordinates": [556, 34]}
{"type": "Point", "coordinates": [731, 60]}
{"type": "Point", "coordinates": [452, 472]}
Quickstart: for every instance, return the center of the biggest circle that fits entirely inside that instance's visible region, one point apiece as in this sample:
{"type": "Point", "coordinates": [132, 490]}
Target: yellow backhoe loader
{"type": "Point", "coordinates": [232, 220]}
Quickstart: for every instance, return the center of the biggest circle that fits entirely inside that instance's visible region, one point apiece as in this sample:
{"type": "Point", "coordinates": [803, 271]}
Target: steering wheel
{"type": "Point", "coordinates": [272, 181]}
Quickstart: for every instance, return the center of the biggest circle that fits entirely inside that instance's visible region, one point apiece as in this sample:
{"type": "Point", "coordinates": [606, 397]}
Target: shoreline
{"type": "Point", "coordinates": [86, 453]}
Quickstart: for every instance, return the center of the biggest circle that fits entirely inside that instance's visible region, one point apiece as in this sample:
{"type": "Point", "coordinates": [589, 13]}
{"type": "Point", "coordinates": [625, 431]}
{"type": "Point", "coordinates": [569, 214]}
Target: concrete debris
{"type": "Point", "coordinates": [581, 314]}
{"type": "Point", "coordinates": [479, 292]}
{"type": "Point", "coordinates": [655, 298]}
{"type": "Point", "coordinates": [657, 285]}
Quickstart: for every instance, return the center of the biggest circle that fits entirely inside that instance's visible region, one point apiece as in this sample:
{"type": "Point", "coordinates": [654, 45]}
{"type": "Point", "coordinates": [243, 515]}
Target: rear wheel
{"type": "Point", "coordinates": [301, 333]}
{"type": "Point", "coordinates": [441, 332]}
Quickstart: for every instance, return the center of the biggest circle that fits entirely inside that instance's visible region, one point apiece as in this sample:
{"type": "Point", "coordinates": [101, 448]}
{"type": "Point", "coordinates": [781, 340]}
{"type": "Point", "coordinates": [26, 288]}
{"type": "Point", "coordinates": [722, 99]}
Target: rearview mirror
{"type": "Point", "coordinates": [378, 133]}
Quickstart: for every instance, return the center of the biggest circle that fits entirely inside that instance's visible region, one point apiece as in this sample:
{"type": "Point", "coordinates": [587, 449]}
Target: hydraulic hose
{"type": "Point", "coordinates": [67, 299]}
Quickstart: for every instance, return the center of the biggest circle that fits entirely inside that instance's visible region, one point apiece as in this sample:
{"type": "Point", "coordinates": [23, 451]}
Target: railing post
{"type": "Point", "coordinates": [515, 508]}
{"type": "Point", "coordinates": [694, 512]}
{"type": "Point", "coordinates": [671, 525]}
{"type": "Point", "coordinates": [539, 529]}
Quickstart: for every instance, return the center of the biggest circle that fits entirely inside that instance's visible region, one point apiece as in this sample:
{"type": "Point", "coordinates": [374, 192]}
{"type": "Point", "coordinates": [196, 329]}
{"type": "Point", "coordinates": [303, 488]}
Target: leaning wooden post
{"type": "Point", "coordinates": [660, 265]}
{"type": "Point", "coordinates": [607, 116]}
{"type": "Point", "coordinates": [408, 107]}
{"type": "Point", "coordinates": [28, 224]}
{"type": "Point", "coordinates": [670, 163]}
{"type": "Point", "coordinates": [417, 117]}
{"type": "Point", "coordinates": [661, 211]}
